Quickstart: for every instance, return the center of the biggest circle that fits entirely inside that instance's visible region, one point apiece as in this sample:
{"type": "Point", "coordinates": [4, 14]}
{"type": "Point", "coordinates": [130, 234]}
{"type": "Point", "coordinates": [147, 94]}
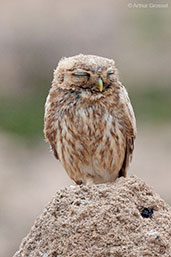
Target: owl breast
{"type": "Point", "coordinates": [90, 144]}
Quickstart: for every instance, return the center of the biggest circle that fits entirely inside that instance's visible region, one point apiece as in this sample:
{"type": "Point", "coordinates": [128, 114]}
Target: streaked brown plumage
{"type": "Point", "coordinates": [89, 120]}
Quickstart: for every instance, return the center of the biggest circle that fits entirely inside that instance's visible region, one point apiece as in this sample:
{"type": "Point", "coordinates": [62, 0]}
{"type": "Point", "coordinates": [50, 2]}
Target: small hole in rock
{"type": "Point", "coordinates": [147, 212]}
{"type": "Point", "coordinates": [77, 203]}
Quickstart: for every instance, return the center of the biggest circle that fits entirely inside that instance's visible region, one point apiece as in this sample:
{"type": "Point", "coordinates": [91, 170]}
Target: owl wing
{"type": "Point", "coordinates": [128, 157]}
{"type": "Point", "coordinates": [49, 120]}
{"type": "Point", "coordinates": [128, 122]}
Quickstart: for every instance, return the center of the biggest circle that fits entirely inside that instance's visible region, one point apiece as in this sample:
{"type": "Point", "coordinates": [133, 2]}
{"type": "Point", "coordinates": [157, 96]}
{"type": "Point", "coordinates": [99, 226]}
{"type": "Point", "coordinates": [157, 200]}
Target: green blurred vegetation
{"type": "Point", "coordinates": [152, 105]}
{"type": "Point", "coordinates": [22, 115]}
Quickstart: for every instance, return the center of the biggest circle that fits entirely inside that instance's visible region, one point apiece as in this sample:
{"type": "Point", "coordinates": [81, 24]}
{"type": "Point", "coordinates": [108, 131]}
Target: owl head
{"type": "Point", "coordinates": [88, 72]}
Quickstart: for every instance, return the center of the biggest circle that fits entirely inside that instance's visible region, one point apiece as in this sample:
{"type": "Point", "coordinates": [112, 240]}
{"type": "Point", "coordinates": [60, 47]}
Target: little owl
{"type": "Point", "coordinates": [89, 120]}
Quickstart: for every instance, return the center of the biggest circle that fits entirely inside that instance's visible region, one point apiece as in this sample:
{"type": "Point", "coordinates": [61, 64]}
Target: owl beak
{"type": "Point", "coordinates": [100, 84]}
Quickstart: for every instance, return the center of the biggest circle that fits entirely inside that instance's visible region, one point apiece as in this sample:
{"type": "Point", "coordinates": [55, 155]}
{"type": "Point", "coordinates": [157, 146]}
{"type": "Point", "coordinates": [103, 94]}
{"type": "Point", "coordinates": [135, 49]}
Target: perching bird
{"type": "Point", "coordinates": [89, 120]}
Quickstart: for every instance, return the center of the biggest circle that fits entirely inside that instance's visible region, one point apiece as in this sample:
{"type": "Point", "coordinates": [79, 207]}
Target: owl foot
{"type": "Point", "coordinates": [89, 181]}
{"type": "Point", "coordinates": [72, 186]}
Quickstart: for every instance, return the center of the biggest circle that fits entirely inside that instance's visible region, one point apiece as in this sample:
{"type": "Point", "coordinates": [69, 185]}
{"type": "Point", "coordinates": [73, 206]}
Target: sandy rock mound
{"type": "Point", "coordinates": [125, 218]}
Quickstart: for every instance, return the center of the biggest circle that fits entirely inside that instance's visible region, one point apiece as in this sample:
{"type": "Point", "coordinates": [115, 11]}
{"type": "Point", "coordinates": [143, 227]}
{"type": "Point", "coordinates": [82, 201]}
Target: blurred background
{"type": "Point", "coordinates": [34, 35]}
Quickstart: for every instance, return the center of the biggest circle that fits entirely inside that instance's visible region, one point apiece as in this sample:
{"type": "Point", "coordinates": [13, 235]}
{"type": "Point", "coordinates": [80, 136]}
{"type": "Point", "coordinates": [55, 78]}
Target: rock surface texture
{"type": "Point", "coordinates": [121, 219]}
